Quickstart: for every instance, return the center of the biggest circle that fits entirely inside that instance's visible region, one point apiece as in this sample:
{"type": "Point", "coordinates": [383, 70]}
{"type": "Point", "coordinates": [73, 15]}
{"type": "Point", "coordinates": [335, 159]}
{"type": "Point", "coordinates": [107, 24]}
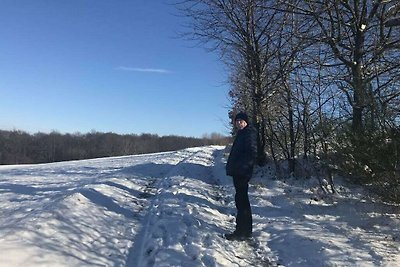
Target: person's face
{"type": "Point", "coordinates": [240, 124]}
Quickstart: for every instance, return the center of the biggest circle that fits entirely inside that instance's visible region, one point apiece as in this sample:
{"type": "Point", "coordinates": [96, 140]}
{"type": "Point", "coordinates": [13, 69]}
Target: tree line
{"type": "Point", "coordinates": [17, 147]}
{"type": "Point", "coordinates": [320, 79]}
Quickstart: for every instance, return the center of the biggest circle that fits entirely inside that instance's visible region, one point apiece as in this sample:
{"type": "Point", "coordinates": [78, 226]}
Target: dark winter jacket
{"type": "Point", "coordinates": [243, 154]}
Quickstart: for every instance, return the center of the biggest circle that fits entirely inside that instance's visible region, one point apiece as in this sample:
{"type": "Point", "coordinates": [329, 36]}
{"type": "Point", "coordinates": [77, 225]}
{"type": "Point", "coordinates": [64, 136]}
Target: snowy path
{"type": "Point", "coordinates": [171, 209]}
{"type": "Point", "coordinates": [183, 224]}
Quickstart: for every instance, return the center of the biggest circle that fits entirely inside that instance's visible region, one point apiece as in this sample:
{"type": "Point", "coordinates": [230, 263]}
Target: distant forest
{"type": "Point", "coordinates": [19, 147]}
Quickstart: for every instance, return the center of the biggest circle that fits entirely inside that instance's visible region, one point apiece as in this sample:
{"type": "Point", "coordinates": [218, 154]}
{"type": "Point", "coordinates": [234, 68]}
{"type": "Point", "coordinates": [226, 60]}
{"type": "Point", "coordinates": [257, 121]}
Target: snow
{"type": "Point", "coordinates": [171, 209]}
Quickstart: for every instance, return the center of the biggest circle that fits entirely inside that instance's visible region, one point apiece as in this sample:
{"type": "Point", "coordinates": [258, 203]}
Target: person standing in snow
{"type": "Point", "coordinates": [240, 166]}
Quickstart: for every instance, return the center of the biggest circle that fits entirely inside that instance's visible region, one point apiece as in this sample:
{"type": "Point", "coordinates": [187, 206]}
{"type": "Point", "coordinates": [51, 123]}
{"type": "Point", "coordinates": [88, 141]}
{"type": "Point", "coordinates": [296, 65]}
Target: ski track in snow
{"type": "Point", "coordinates": [172, 209]}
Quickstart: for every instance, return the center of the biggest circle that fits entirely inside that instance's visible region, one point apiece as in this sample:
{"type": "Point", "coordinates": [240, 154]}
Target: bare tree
{"type": "Point", "coordinates": [241, 32]}
{"type": "Point", "coordinates": [364, 53]}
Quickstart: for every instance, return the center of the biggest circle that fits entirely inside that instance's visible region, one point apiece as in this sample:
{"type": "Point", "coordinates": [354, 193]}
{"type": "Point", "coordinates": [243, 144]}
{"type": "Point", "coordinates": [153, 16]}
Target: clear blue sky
{"type": "Point", "coordinates": [106, 65]}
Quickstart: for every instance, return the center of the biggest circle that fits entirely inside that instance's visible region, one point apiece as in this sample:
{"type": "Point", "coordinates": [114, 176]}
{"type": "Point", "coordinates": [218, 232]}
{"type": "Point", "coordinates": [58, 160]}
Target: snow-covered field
{"type": "Point", "coordinates": [171, 209]}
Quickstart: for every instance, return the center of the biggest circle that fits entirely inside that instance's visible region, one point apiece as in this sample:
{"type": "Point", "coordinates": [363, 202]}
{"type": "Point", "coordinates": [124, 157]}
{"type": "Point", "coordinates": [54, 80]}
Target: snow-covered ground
{"type": "Point", "coordinates": [171, 209]}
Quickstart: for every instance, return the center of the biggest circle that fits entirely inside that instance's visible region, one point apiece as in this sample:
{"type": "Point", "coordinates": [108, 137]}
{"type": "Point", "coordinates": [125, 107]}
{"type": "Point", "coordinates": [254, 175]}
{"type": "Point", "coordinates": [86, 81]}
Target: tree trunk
{"type": "Point", "coordinates": [291, 159]}
{"type": "Point", "coordinates": [358, 100]}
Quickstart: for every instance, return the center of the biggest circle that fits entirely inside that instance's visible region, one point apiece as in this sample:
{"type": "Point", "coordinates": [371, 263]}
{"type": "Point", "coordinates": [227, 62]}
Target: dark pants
{"type": "Point", "coordinates": [244, 221]}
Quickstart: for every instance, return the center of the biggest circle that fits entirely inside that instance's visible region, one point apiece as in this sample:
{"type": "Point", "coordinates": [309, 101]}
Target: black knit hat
{"type": "Point", "coordinates": [242, 116]}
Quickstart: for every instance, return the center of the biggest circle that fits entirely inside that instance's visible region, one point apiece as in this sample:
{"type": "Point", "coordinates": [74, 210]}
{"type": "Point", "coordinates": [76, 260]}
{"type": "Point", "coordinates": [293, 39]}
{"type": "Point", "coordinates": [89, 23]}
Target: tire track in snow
{"type": "Point", "coordinates": [138, 250]}
{"type": "Point", "coordinates": [169, 236]}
